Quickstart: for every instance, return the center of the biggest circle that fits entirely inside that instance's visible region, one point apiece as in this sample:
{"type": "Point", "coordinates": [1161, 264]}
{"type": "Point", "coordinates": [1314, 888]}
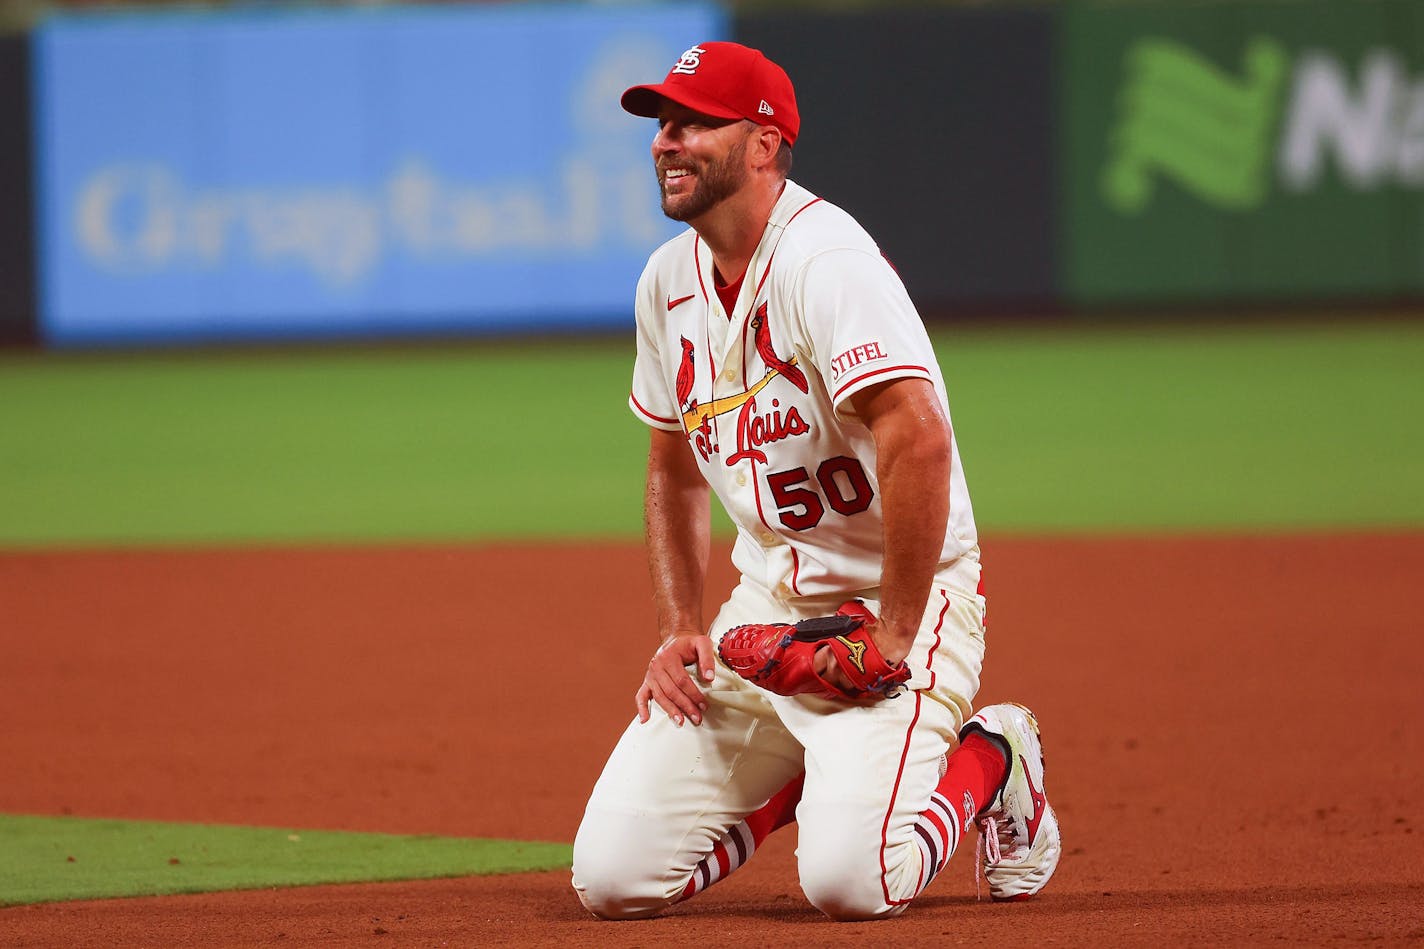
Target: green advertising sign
{"type": "Point", "coordinates": [1242, 151]}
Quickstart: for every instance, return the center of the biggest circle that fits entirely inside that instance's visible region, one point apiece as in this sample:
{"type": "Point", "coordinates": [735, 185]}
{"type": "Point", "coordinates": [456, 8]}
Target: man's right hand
{"type": "Point", "coordinates": [670, 683]}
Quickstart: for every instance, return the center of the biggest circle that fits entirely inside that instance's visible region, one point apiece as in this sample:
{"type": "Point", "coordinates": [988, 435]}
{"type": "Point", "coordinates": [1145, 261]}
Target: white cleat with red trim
{"type": "Point", "coordinates": [1019, 831]}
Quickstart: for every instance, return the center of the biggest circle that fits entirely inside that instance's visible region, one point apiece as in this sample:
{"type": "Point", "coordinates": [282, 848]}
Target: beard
{"type": "Point", "coordinates": [716, 181]}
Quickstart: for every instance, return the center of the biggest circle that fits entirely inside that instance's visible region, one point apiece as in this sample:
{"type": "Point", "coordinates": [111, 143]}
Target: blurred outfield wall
{"type": "Point", "coordinates": [318, 172]}
{"type": "Point", "coordinates": [1242, 152]}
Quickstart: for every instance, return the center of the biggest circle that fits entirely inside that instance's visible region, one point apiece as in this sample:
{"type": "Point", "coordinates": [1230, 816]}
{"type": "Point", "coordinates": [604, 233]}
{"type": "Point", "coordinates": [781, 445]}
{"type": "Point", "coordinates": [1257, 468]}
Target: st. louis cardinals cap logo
{"type": "Point", "coordinates": [689, 61]}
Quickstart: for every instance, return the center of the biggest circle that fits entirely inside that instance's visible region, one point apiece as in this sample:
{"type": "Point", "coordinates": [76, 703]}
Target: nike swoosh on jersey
{"type": "Point", "coordinates": [672, 304]}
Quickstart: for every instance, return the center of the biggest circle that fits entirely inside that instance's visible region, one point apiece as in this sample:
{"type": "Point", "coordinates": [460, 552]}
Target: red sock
{"type": "Point", "coordinates": [777, 812]}
{"type": "Point", "coordinates": [972, 776]}
{"type": "Point", "coordinates": [741, 840]}
{"type": "Point", "coordinates": [977, 766]}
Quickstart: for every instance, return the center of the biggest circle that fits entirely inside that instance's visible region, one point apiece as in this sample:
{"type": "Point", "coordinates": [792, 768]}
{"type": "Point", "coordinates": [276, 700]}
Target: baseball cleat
{"type": "Point", "coordinates": [1018, 829]}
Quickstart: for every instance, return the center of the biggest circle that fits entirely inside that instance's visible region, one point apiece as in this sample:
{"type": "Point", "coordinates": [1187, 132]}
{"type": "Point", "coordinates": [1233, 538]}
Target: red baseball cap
{"type": "Point", "coordinates": [728, 81]}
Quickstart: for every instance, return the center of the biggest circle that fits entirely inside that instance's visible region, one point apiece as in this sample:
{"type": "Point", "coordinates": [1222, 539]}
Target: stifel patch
{"type": "Point", "coordinates": [856, 356]}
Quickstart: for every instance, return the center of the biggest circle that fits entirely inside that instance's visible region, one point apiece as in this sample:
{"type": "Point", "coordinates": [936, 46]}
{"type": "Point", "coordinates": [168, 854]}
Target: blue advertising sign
{"type": "Point", "coordinates": [338, 172]}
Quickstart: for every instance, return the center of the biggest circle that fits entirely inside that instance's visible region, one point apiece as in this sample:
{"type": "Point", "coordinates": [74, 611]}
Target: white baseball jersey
{"type": "Point", "coordinates": [763, 393]}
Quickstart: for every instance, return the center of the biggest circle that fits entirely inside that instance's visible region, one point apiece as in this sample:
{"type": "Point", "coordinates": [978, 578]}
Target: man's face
{"type": "Point", "coordinates": [700, 160]}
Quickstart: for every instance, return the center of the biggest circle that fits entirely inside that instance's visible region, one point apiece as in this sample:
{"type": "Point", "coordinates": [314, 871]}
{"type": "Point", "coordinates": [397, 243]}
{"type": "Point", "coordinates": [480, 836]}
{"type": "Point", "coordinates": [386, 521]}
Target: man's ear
{"type": "Point", "coordinates": [766, 142]}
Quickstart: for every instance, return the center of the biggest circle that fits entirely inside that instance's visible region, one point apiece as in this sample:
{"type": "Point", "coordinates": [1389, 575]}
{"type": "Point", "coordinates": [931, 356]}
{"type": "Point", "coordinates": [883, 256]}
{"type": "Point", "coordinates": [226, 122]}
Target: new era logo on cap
{"type": "Point", "coordinates": [727, 81]}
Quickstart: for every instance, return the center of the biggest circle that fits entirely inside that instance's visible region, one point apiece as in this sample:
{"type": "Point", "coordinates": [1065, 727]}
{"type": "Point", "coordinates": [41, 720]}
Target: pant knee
{"type": "Point", "coordinates": [844, 889]}
{"type": "Point", "coordinates": [614, 880]}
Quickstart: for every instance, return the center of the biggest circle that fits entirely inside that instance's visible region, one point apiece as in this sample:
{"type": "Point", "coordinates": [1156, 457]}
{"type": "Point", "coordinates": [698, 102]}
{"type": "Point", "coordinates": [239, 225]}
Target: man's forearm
{"type": "Point", "coordinates": [914, 499]}
{"type": "Point", "coordinates": [677, 529]}
{"type": "Point", "coordinates": [914, 452]}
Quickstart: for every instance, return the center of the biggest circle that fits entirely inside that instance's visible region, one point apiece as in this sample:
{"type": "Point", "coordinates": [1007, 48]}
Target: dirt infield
{"type": "Point", "coordinates": [1233, 732]}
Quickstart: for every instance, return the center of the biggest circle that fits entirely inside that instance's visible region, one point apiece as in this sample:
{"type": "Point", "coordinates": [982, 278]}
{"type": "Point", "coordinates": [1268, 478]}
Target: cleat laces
{"type": "Point", "coordinates": [986, 851]}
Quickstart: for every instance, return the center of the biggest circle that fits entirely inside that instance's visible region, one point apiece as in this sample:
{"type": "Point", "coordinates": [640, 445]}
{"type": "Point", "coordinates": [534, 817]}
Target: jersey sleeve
{"type": "Point", "coordinates": [862, 325]}
{"type": "Point", "coordinates": [651, 398]}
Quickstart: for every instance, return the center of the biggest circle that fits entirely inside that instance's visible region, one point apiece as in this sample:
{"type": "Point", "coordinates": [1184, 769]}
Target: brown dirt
{"type": "Point", "coordinates": [1232, 727]}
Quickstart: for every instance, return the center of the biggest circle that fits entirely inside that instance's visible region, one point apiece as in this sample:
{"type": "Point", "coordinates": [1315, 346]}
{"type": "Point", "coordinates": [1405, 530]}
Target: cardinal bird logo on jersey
{"type": "Point", "coordinates": [756, 425]}
{"type": "Point", "coordinates": [761, 326]}
{"type": "Point", "coordinates": [686, 373]}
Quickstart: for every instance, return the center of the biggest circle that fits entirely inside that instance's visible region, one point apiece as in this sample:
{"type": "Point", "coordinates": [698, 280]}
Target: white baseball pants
{"type": "Point", "coordinates": [668, 794]}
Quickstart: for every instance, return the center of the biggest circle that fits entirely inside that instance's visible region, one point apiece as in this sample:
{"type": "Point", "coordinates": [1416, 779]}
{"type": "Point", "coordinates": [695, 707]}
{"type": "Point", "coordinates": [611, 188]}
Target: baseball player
{"type": "Point", "coordinates": [781, 363]}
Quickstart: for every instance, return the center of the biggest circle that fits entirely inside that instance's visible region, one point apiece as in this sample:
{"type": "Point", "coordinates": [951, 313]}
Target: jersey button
{"type": "Point", "coordinates": [741, 479]}
{"type": "Point", "coordinates": [730, 375]}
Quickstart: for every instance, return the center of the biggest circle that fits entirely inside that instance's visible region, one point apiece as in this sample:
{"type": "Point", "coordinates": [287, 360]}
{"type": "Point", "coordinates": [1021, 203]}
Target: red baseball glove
{"type": "Point", "coordinates": [780, 657]}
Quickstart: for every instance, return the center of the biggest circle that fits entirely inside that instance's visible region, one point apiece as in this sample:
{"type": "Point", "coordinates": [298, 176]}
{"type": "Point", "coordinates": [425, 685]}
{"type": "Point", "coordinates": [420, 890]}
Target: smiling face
{"type": "Point", "coordinates": [700, 160]}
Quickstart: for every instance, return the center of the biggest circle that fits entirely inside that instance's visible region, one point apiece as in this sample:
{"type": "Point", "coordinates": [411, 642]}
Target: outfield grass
{"type": "Point", "coordinates": [1180, 429]}
{"type": "Point", "coordinates": [468, 442]}
{"type": "Point", "coordinates": [68, 858]}
{"type": "Point", "coordinates": [1168, 428]}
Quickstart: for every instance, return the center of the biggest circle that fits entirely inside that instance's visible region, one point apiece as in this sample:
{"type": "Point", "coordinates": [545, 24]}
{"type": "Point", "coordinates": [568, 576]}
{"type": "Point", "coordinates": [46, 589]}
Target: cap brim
{"type": "Point", "coordinates": [648, 100]}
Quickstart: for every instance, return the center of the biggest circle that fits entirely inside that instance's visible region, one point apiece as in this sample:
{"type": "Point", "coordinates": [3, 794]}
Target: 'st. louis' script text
{"type": "Point", "coordinates": [755, 430]}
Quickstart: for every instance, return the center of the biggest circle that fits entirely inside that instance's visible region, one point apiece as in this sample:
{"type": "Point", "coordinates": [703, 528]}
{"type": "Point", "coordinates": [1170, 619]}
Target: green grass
{"type": "Point", "coordinates": [67, 858]}
{"type": "Point", "coordinates": [1191, 429]}
{"type": "Point", "coordinates": [1175, 428]}
{"type": "Point", "coordinates": [342, 445]}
